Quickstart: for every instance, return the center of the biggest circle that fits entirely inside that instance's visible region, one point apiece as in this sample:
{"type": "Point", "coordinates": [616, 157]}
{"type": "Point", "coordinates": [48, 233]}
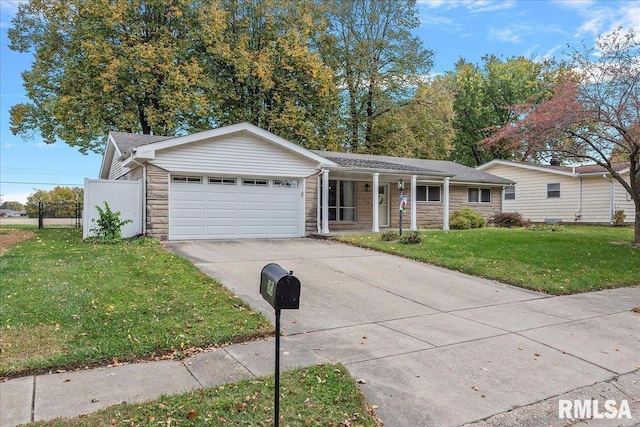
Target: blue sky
{"type": "Point", "coordinates": [452, 29]}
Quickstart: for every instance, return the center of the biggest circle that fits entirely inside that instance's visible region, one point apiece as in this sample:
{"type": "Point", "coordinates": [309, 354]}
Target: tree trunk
{"type": "Point", "coordinates": [636, 235]}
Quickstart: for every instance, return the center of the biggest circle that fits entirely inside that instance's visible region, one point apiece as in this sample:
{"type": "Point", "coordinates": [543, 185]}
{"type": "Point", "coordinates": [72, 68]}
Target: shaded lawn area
{"type": "Point", "coordinates": [579, 259]}
{"type": "Point", "coordinates": [316, 396]}
{"type": "Point", "coordinates": [67, 304]}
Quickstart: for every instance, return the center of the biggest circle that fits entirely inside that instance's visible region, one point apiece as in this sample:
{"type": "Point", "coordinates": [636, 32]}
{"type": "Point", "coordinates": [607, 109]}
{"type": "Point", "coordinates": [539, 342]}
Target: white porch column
{"type": "Point", "coordinates": [445, 213]}
{"type": "Point", "coordinates": [374, 203]}
{"type": "Point", "coordinates": [414, 180]}
{"type": "Point", "coordinates": [325, 200]}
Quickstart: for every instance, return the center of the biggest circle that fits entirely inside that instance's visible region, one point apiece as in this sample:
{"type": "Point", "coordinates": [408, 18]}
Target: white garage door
{"type": "Point", "coordinates": [231, 208]}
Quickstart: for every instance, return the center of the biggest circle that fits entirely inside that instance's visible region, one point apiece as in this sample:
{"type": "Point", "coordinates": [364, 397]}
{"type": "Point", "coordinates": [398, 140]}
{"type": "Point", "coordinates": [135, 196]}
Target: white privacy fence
{"type": "Point", "coordinates": [122, 196]}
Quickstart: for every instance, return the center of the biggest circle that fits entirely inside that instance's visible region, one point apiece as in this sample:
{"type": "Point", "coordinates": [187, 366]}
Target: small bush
{"type": "Point", "coordinates": [411, 239]}
{"type": "Point", "coordinates": [618, 217]}
{"type": "Point", "coordinates": [509, 220]}
{"type": "Point", "coordinates": [109, 225]}
{"type": "Point", "coordinates": [389, 236]}
{"type": "Point", "coordinates": [459, 223]}
{"type": "Point", "coordinates": [475, 219]}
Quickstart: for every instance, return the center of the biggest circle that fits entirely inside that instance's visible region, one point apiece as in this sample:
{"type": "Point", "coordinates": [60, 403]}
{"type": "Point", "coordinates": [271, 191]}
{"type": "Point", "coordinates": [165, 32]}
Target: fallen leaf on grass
{"type": "Point", "coordinates": [192, 415]}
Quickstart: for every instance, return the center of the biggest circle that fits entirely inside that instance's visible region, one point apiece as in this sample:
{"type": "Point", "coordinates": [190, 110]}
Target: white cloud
{"type": "Point", "coordinates": [18, 196]}
{"type": "Point", "coordinates": [474, 6]}
{"type": "Point", "coordinates": [509, 34]}
{"type": "Point", "coordinates": [8, 9]}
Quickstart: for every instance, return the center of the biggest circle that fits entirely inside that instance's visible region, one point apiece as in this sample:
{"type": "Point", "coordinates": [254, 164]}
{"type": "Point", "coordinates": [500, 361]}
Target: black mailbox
{"type": "Point", "coordinates": [279, 287]}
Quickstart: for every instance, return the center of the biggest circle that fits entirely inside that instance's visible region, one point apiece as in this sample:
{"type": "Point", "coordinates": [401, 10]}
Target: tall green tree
{"type": "Point", "coordinates": [376, 59]}
{"type": "Point", "coordinates": [170, 67]}
{"type": "Point", "coordinates": [61, 201]}
{"type": "Point", "coordinates": [267, 71]}
{"type": "Point", "coordinates": [101, 65]}
{"type": "Point", "coordinates": [421, 127]}
{"type": "Point", "coordinates": [483, 98]}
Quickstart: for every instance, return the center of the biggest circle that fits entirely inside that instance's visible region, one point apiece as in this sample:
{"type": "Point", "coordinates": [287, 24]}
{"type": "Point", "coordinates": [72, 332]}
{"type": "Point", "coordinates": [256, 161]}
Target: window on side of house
{"type": "Point", "coordinates": [428, 193]}
{"type": "Point", "coordinates": [479, 195]}
{"type": "Point", "coordinates": [510, 193]}
{"type": "Point", "coordinates": [553, 190]}
{"type": "Point", "coordinates": [186, 179]}
{"type": "Point", "coordinates": [342, 200]}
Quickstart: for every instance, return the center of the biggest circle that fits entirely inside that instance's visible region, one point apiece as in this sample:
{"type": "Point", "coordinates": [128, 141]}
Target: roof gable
{"type": "Point", "coordinates": [148, 151]}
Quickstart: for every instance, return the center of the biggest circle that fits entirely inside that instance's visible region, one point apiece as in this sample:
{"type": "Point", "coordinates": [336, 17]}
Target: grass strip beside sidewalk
{"type": "Point", "coordinates": [315, 396]}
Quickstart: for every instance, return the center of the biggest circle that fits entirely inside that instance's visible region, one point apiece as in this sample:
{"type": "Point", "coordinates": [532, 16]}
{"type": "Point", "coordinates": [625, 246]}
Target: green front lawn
{"type": "Point", "coordinates": [66, 303]}
{"type": "Point", "coordinates": [579, 259]}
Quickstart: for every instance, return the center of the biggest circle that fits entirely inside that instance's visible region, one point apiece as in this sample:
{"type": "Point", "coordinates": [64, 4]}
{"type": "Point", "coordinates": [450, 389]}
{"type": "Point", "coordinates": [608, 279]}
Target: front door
{"type": "Point", "coordinates": [383, 205]}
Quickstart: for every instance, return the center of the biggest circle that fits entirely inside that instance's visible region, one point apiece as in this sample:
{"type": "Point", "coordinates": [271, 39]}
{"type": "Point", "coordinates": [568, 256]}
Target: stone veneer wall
{"type": "Point", "coordinates": [157, 188]}
{"type": "Point", "coordinates": [157, 197]}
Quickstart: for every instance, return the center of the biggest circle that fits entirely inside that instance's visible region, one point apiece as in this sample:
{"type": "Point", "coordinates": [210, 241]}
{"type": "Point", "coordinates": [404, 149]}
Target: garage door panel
{"type": "Point", "coordinates": [222, 213]}
{"type": "Point", "coordinates": [189, 213]}
{"type": "Point", "coordinates": [208, 211]}
{"type": "Point", "coordinates": [188, 196]}
{"type": "Point", "coordinates": [225, 197]}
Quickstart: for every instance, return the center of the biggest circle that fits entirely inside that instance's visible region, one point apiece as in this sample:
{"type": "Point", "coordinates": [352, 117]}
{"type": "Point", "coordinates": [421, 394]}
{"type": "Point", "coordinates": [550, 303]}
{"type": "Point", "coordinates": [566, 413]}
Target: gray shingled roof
{"type": "Point", "coordinates": [459, 173]}
{"type": "Point", "coordinates": [127, 141]}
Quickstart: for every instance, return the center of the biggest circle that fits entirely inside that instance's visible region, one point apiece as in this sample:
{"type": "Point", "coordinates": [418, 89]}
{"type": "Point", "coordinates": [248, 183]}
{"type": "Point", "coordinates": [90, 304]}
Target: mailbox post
{"type": "Point", "coordinates": [281, 289]}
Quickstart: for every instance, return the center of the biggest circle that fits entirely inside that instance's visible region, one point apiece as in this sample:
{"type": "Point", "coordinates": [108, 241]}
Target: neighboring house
{"type": "Point", "coordinates": [582, 194]}
{"type": "Point", "coordinates": [242, 181]}
{"type": "Point", "coordinates": [12, 213]}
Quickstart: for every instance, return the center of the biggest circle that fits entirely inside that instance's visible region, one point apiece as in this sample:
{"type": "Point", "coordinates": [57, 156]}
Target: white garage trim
{"type": "Point", "coordinates": [232, 207]}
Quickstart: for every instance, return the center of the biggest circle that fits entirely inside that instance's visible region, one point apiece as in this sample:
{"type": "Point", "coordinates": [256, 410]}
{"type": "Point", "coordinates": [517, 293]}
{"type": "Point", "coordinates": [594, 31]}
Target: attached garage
{"type": "Point", "coordinates": [215, 207]}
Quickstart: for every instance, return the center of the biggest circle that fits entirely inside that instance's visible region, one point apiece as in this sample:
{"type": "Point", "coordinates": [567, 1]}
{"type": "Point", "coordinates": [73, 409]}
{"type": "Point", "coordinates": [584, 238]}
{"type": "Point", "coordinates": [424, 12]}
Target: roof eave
{"type": "Point", "coordinates": [338, 168]}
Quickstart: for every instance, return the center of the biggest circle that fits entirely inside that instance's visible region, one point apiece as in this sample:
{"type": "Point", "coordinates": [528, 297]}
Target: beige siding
{"type": "Point", "coordinates": [585, 199]}
{"type": "Point", "coordinates": [116, 169]}
{"type": "Point", "coordinates": [238, 155]}
{"type": "Point", "coordinates": [531, 194]}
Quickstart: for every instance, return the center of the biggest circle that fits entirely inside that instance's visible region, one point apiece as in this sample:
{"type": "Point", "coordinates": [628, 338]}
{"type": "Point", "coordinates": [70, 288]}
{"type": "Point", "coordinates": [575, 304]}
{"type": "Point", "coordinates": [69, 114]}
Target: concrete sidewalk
{"type": "Point", "coordinates": [435, 347]}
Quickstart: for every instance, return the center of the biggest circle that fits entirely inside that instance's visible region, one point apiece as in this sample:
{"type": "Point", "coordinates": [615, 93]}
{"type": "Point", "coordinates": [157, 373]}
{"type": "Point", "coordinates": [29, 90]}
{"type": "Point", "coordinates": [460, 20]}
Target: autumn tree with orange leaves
{"type": "Point", "coordinates": [593, 115]}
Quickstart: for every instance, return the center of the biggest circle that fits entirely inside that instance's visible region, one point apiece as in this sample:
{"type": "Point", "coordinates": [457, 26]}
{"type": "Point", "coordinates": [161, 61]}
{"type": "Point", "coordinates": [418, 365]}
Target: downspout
{"type": "Point", "coordinates": [318, 203]}
{"type": "Point", "coordinates": [604, 175]}
{"type": "Point", "coordinates": [144, 199]}
{"type": "Point", "coordinates": [578, 215]}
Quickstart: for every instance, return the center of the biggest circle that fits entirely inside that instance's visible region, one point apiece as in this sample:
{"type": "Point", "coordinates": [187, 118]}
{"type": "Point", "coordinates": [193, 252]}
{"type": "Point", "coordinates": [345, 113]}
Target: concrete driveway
{"type": "Point", "coordinates": [436, 347]}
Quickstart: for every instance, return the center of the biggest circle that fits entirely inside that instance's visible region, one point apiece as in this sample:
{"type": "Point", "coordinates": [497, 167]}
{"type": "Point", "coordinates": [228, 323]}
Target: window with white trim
{"type": "Point", "coordinates": [510, 193]}
{"type": "Point", "coordinates": [216, 180]}
{"type": "Point", "coordinates": [342, 200]}
{"type": "Point", "coordinates": [479, 195]}
{"type": "Point", "coordinates": [553, 190]}
{"type": "Point", "coordinates": [250, 182]}
{"type": "Point", "coordinates": [428, 193]}
{"type": "Point", "coordinates": [186, 179]}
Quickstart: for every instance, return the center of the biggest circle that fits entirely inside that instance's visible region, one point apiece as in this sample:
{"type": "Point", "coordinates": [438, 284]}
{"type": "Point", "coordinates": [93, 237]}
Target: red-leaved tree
{"type": "Point", "coordinates": [593, 115]}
